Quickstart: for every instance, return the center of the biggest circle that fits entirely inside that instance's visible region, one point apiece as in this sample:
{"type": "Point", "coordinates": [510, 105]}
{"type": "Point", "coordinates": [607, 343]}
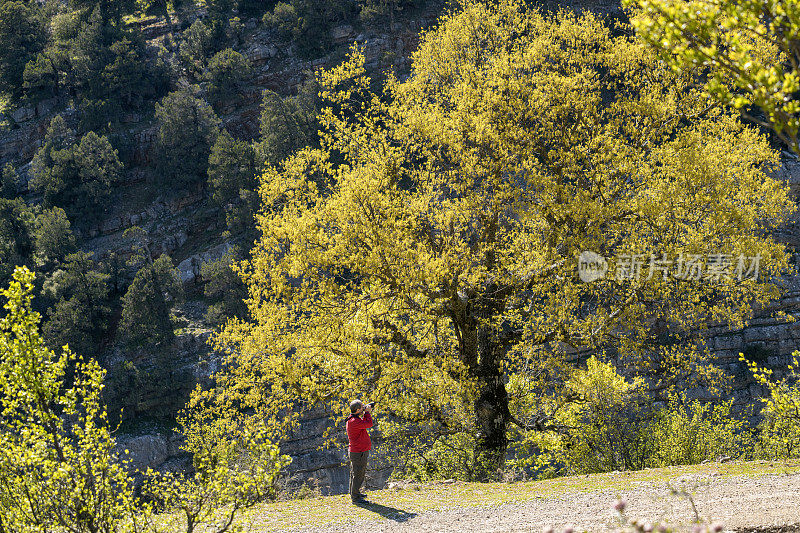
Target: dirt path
{"type": "Point", "coordinates": [768, 503]}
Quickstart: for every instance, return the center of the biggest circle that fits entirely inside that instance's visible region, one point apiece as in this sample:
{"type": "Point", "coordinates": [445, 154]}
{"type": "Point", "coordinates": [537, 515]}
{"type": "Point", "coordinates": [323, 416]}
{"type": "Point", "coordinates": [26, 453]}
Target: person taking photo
{"type": "Point", "coordinates": [359, 421]}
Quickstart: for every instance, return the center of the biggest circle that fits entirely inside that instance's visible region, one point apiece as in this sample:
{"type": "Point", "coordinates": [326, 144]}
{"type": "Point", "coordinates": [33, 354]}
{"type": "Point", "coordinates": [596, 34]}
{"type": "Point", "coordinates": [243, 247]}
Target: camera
{"type": "Point", "coordinates": [371, 405]}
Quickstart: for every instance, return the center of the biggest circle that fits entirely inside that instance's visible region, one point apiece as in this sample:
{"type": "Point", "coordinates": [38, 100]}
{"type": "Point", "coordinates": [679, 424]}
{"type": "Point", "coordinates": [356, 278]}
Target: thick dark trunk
{"type": "Point", "coordinates": [491, 410]}
{"type": "Point", "coordinates": [481, 351]}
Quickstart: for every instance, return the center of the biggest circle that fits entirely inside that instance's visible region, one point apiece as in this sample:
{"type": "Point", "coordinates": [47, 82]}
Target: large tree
{"type": "Point", "coordinates": [427, 251]}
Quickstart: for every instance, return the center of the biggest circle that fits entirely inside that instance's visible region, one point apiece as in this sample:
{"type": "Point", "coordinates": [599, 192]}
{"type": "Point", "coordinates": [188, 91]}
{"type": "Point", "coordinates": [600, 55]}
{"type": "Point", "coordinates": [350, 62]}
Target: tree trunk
{"type": "Point", "coordinates": [491, 410]}
{"type": "Point", "coordinates": [482, 353]}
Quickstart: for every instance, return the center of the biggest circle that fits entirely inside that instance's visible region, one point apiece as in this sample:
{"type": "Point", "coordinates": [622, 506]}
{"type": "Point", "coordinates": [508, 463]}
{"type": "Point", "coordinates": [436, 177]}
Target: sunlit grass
{"type": "Point", "coordinates": [415, 499]}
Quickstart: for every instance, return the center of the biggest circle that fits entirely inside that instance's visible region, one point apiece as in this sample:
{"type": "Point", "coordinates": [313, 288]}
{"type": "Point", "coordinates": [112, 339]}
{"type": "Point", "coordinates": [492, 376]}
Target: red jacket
{"type": "Point", "coordinates": [357, 432]}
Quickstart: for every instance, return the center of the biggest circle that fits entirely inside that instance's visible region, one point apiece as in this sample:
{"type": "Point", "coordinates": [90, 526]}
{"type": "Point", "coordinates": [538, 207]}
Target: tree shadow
{"type": "Point", "coordinates": [397, 515]}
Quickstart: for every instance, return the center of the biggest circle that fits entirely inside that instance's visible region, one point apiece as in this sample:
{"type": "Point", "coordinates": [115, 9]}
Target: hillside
{"type": "Point", "coordinates": [419, 253]}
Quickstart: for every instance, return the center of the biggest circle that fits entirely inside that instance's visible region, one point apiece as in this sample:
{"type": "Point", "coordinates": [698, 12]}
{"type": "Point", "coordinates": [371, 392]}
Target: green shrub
{"type": "Point", "coordinates": [779, 430]}
{"type": "Point", "coordinates": [686, 433]}
{"type": "Point", "coordinates": [56, 452]}
{"type": "Point", "coordinates": [447, 457]}
{"type": "Point", "coordinates": [611, 423]}
{"type": "Point", "coordinates": [288, 124]}
{"type": "Point", "coordinates": [230, 474]}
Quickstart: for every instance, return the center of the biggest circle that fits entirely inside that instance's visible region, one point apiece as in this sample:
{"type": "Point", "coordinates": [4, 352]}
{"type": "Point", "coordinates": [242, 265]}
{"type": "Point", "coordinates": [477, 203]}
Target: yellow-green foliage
{"type": "Point", "coordinates": [749, 48]}
{"type": "Point", "coordinates": [612, 425]}
{"type": "Point", "coordinates": [231, 474]}
{"type": "Point", "coordinates": [779, 435]}
{"type": "Point", "coordinates": [690, 432]}
{"type": "Point", "coordinates": [57, 469]}
{"type": "Point", "coordinates": [427, 249]}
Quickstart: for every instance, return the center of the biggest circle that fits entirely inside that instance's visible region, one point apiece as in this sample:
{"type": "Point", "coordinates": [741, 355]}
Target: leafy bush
{"type": "Point", "coordinates": [779, 430]}
{"type": "Point", "coordinates": [447, 457]}
{"type": "Point", "coordinates": [56, 451]}
{"type": "Point", "coordinates": [611, 424]}
{"type": "Point", "coordinates": [686, 433]}
{"type": "Point", "coordinates": [58, 468]}
{"type": "Point", "coordinates": [230, 474]}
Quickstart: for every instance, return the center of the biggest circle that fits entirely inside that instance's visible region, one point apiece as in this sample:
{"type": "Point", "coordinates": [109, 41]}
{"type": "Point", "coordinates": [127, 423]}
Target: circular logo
{"type": "Point", "coordinates": [591, 266]}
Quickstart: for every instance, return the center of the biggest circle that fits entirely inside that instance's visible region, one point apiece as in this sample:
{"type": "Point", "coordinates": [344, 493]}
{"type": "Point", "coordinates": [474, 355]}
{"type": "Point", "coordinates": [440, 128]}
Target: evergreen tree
{"type": "Point", "coordinates": [75, 176]}
{"type": "Point", "coordinates": [8, 185]}
{"type": "Point", "coordinates": [16, 236]}
{"type": "Point", "coordinates": [225, 287]}
{"type": "Point", "coordinates": [225, 73]}
{"type": "Point", "coordinates": [288, 124]}
{"type": "Point", "coordinates": [53, 237]}
{"type": "Point", "coordinates": [187, 129]}
{"type": "Point", "coordinates": [22, 35]}
{"type": "Point", "coordinates": [196, 47]}
{"type": "Point", "coordinates": [232, 180]}
{"type": "Point", "coordinates": [79, 316]}
{"type": "Point", "coordinates": [147, 305]}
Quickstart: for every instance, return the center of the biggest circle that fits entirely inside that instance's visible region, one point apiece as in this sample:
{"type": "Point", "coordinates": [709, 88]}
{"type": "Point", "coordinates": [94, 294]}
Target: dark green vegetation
{"type": "Point", "coordinates": [92, 71]}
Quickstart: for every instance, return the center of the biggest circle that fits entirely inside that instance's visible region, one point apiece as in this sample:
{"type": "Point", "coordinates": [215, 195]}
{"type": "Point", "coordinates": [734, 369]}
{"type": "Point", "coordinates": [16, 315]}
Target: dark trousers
{"type": "Point", "coordinates": [358, 468]}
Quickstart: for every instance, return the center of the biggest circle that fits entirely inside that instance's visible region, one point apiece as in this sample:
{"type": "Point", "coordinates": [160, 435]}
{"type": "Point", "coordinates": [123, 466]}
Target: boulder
{"type": "Point", "coordinates": [342, 34]}
{"type": "Point", "coordinates": [143, 451]}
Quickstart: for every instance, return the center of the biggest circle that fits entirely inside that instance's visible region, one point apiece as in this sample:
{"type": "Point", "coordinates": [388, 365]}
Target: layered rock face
{"type": "Point", "coordinates": [189, 227]}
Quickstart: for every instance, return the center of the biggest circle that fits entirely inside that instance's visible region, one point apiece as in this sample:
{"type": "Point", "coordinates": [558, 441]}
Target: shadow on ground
{"type": "Point", "coordinates": [398, 515]}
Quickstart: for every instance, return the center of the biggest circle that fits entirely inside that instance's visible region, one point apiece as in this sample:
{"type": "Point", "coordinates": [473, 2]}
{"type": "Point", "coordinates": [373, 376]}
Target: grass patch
{"type": "Point", "coordinates": [400, 505]}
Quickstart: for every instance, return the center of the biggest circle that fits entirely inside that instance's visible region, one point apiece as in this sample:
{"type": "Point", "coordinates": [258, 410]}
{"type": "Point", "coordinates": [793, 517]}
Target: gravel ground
{"type": "Point", "coordinates": [766, 504]}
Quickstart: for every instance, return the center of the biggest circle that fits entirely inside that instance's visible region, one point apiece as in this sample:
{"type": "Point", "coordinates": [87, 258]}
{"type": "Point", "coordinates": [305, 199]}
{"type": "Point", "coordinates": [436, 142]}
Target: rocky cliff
{"type": "Point", "coordinates": [188, 226]}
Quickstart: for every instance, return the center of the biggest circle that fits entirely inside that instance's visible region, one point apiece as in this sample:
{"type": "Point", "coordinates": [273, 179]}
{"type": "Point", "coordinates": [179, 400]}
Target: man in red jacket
{"type": "Point", "coordinates": [360, 445]}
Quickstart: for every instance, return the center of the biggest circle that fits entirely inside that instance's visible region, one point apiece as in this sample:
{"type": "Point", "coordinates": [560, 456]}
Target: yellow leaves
{"type": "Point", "coordinates": [460, 198]}
{"type": "Point", "coordinates": [601, 384]}
{"type": "Point", "coordinates": [744, 47]}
